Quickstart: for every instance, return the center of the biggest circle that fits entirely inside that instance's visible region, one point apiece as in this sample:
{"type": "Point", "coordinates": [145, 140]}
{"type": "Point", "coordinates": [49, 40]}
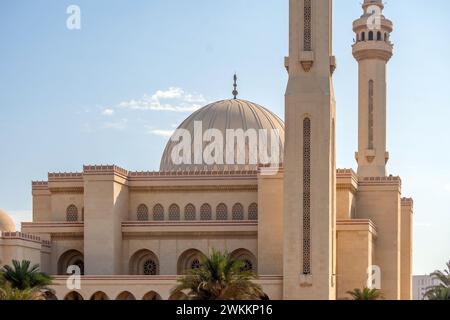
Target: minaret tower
{"type": "Point", "coordinates": [372, 50]}
{"type": "Point", "coordinates": [310, 161]}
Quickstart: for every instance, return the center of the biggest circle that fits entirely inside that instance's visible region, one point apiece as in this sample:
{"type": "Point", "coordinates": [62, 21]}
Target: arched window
{"type": "Point", "coordinates": [99, 295]}
{"type": "Point", "coordinates": [363, 36]}
{"type": "Point", "coordinates": [370, 35]}
{"type": "Point", "coordinates": [73, 296]}
{"type": "Point", "coordinates": [126, 296]}
{"type": "Point", "coordinates": [386, 37]}
{"type": "Point", "coordinates": [188, 260]}
{"type": "Point", "coordinates": [72, 213]}
{"type": "Point", "coordinates": [144, 262]}
{"type": "Point", "coordinates": [238, 212]}
{"type": "Point", "coordinates": [379, 36]}
{"type": "Point", "coordinates": [253, 211]}
{"type": "Point", "coordinates": [247, 259]}
{"type": "Point", "coordinates": [158, 213]}
{"type": "Point", "coordinates": [71, 258]}
{"type": "Point", "coordinates": [142, 213]}
{"type": "Point", "coordinates": [205, 212]}
{"type": "Point", "coordinates": [190, 213]}
{"type": "Point", "coordinates": [222, 212]}
{"type": "Point", "coordinates": [174, 212]}
{"type": "Point", "coordinates": [152, 295]}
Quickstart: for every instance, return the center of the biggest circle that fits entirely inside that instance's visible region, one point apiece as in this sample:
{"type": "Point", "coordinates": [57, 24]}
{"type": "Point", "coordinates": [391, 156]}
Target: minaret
{"type": "Point", "coordinates": [310, 165]}
{"type": "Point", "coordinates": [372, 50]}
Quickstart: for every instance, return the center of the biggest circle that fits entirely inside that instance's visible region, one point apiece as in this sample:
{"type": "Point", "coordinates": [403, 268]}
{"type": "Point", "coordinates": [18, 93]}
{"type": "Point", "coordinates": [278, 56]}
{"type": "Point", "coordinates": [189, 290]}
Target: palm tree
{"type": "Point", "coordinates": [7, 292]}
{"type": "Point", "coordinates": [219, 278]}
{"type": "Point", "coordinates": [365, 294]}
{"type": "Point", "coordinates": [20, 276]}
{"type": "Point", "coordinates": [442, 290]}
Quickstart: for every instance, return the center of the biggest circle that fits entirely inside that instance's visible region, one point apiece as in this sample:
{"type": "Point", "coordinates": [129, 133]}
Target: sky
{"type": "Point", "coordinates": [113, 91]}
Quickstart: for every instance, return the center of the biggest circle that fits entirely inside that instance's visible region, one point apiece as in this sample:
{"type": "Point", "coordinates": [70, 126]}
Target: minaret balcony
{"type": "Point", "coordinates": [362, 24]}
{"type": "Point", "coordinates": [381, 50]}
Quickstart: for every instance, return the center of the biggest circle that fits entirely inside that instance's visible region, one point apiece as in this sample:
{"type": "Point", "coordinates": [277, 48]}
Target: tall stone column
{"type": "Point", "coordinates": [310, 165]}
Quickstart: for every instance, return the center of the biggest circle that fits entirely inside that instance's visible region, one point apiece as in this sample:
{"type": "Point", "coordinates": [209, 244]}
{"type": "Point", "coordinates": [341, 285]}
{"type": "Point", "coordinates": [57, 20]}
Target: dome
{"type": "Point", "coordinates": [224, 115]}
{"type": "Point", "coordinates": [6, 222]}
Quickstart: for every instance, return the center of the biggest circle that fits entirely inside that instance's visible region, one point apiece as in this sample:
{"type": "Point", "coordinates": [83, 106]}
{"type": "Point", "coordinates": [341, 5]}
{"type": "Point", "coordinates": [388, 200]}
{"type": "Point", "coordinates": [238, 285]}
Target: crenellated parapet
{"type": "Point", "coordinates": [407, 202]}
{"type": "Point", "coordinates": [64, 175]}
{"type": "Point", "coordinates": [89, 169]}
{"type": "Point", "coordinates": [39, 184]}
{"type": "Point", "coordinates": [389, 180]}
{"type": "Point", "coordinates": [191, 173]}
{"type": "Point", "coordinates": [25, 237]}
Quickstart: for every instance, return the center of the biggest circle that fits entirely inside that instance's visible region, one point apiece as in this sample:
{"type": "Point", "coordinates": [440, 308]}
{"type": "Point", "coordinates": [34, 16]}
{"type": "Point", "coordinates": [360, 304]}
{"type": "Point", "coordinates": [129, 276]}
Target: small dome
{"type": "Point", "coordinates": [6, 222]}
{"type": "Point", "coordinates": [224, 115]}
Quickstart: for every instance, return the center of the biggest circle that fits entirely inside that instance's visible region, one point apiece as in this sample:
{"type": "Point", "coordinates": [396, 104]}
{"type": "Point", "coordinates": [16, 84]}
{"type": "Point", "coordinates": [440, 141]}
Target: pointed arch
{"type": "Point", "coordinates": [70, 258]}
{"type": "Point", "coordinates": [158, 212]}
{"type": "Point", "coordinates": [190, 213]}
{"type": "Point", "coordinates": [144, 262]}
{"type": "Point", "coordinates": [222, 212]}
{"type": "Point", "coordinates": [253, 212]}
{"type": "Point", "coordinates": [152, 295]}
{"type": "Point", "coordinates": [174, 212]}
{"type": "Point", "coordinates": [72, 213]}
{"type": "Point", "coordinates": [205, 212]}
{"type": "Point", "coordinates": [99, 295]}
{"type": "Point", "coordinates": [247, 257]}
{"type": "Point", "coordinates": [188, 260]}
{"type": "Point", "coordinates": [126, 295]}
{"type": "Point", "coordinates": [73, 295]}
{"type": "Point", "coordinates": [142, 213]}
{"type": "Point", "coordinates": [238, 212]}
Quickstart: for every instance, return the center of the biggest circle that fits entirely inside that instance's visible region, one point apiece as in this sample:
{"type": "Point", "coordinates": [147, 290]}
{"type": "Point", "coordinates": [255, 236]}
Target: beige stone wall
{"type": "Point", "coordinates": [379, 201]}
{"type": "Point", "coordinates": [406, 249]}
{"type": "Point", "coordinates": [346, 188]}
{"type": "Point", "coordinates": [198, 197]}
{"type": "Point", "coordinates": [60, 201]}
{"type": "Point", "coordinates": [62, 245]}
{"type": "Point", "coordinates": [19, 249]}
{"type": "Point", "coordinates": [170, 249]}
{"type": "Point", "coordinates": [354, 255]}
{"type": "Point", "coordinates": [106, 203]}
{"type": "Point", "coordinates": [270, 224]}
{"type": "Point", "coordinates": [42, 205]}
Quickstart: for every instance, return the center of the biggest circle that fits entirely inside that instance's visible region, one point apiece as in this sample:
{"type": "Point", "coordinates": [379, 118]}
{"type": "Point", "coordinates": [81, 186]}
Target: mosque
{"type": "Point", "coordinates": [308, 230]}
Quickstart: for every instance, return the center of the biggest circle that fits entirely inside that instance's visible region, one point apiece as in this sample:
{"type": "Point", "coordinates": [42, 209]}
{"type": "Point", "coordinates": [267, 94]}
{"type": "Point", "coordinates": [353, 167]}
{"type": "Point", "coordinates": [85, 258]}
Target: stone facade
{"type": "Point", "coordinates": [309, 230]}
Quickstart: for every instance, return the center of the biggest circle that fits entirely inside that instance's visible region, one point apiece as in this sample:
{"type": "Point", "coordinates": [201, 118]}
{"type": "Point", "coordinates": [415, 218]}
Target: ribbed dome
{"type": "Point", "coordinates": [224, 115]}
{"type": "Point", "coordinates": [6, 222]}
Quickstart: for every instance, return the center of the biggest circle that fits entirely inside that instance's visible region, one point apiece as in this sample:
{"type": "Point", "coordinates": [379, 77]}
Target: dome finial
{"type": "Point", "coordinates": [235, 92]}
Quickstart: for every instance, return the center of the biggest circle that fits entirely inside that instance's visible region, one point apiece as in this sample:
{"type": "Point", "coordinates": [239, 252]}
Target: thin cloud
{"type": "Point", "coordinates": [171, 100]}
{"type": "Point", "coordinates": [162, 133]}
{"type": "Point", "coordinates": [108, 112]}
{"type": "Point", "coordinates": [447, 187]}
